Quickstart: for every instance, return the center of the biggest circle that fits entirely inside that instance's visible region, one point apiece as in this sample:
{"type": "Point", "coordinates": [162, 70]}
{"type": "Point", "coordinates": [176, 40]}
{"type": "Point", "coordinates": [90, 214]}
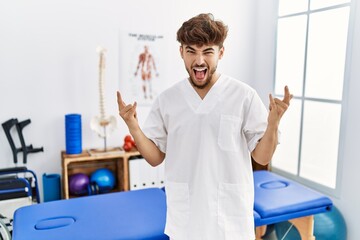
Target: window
{"type": "Point", "coordinates": [310, 58]}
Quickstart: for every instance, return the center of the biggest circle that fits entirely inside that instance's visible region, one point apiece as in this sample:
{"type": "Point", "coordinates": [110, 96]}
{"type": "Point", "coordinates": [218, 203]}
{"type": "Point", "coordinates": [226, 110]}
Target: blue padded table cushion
{"type": "Point", "coordinates": [257, 217]}
{"type": "Point", "coordinates": [278, 199]}
{"type": "Point", "coordinates": [128, 215]}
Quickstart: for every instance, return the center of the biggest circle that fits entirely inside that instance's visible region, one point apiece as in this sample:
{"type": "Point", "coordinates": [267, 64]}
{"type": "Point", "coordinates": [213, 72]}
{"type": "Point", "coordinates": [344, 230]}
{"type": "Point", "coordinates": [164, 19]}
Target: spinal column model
{"type": "Point", "coordinates": [103, 125]}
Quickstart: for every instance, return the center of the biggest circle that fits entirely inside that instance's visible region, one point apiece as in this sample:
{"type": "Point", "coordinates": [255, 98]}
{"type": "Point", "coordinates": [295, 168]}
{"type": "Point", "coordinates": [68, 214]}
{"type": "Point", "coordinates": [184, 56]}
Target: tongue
{"type": "Point", "coordinates": [200, 74]}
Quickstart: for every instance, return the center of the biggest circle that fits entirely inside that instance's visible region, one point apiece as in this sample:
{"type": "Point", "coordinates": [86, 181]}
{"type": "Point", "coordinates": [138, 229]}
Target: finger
{"type": "Point", "coordinates": [135, 105]}
{"type": "Point", "coordinates": [127, 109]}
{"type": "Point", "coordinates": [287, 95]}
{"type": "Point", "coordinates": [280, 103]}
{"type": "Point", "coordinates": [121, 103]}
{"type": "Point", "coordinates": [119, 98]}
{"type": "Point", "coordinates": [271, 102]}
{"type": "Point", "coordinates": [131, 109]}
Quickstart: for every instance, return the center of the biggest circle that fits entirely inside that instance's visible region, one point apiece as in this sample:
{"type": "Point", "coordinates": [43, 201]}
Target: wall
{"type": "Point", "coordinates": [349, 196]}
{"type": "Point", "coordinates": [49, 64]}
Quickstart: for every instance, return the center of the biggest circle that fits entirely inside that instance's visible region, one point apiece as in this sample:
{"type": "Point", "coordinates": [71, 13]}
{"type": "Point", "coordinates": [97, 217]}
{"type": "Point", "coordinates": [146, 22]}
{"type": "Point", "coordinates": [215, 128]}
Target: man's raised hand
{"type": "Point", "coordinates": [278, 107]}
{"type": "Point", "coordinates": [127, 112]}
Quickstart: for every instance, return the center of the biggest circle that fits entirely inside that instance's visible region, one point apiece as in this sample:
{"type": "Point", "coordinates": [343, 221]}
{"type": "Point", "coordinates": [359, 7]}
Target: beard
{"type": "Point", "coordinates": [207, 81]}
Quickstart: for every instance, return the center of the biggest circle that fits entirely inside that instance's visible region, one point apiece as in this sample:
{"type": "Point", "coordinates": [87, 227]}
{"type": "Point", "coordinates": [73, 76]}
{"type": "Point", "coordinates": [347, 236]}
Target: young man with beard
{"type": "Point", "coordinates": [206, 128]}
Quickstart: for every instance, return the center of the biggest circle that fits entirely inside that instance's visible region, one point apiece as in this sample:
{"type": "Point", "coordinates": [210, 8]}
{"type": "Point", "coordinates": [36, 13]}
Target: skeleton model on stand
{"type": "Point", "coordinates": [103, 125]}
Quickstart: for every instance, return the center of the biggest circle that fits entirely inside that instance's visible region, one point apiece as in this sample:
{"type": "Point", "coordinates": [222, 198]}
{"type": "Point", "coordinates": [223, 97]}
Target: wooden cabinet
{"type": "Point", "coordinates": [116, 161]}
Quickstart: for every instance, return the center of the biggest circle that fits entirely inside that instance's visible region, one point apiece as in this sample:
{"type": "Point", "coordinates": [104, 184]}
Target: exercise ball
{"type": "Point", "coordinates": [329, 225]}
{"type": "Point", "coordinates": [104, 178]}
{"type": "Point", "coordinates": [78, 183]}
{"type": "Point", "coordinates": [285, 231]}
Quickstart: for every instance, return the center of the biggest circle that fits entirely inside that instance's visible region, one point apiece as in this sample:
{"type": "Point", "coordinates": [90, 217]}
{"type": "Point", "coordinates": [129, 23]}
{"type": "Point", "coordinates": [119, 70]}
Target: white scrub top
{"type": "Point", "coordinates": [208, 173]}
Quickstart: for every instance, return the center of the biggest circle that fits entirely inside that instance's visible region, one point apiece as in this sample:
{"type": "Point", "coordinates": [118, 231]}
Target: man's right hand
{"type": "Point", "coordinates": [127, 112]}
{"type": "Point", "coordinates": [145, 146]}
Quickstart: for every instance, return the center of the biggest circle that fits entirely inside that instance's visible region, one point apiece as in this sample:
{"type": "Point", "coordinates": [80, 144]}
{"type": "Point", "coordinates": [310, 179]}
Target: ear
{"type": "Point", "coordinates": [181, 49]}
{"type": "Point", "coordinates": [221, 52]}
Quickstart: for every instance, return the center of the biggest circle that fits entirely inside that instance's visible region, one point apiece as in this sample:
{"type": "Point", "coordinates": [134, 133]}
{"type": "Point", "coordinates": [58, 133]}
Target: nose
{"type": "Point", "coordinates": [199, 59]}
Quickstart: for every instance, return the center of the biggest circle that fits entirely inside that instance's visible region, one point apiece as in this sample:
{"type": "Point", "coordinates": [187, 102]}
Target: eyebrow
{"type": "Point", "coordinates": [205, 50]}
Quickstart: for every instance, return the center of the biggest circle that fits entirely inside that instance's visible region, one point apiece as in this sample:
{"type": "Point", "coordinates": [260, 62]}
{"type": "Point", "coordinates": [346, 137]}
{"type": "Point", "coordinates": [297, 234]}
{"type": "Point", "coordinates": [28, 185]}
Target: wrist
{"type": "Point", "coordinates": [273, 127]}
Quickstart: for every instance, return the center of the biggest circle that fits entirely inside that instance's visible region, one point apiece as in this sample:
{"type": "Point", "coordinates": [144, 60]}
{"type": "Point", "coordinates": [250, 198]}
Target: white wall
{"type": "Point", "coordinates": [49, 64]}
{"type": "Point", "coordinates": [349, 198]}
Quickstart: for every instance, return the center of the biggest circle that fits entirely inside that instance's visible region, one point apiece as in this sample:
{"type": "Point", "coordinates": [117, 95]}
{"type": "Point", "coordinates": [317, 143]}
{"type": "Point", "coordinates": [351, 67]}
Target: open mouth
{"type": "Point", "coordinates": [200, 72]}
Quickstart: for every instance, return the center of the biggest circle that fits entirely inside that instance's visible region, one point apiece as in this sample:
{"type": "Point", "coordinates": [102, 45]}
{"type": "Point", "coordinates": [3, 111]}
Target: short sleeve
{"type": "Point", "coordinates": [255, 121]}
{"type": "Point", "coordinates": [154, 127]}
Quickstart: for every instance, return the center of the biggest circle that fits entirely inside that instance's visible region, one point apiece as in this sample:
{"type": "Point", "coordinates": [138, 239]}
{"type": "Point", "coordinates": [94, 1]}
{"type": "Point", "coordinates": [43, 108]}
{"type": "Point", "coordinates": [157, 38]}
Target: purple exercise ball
{"type": "Point", "coordinates": [78, 183]}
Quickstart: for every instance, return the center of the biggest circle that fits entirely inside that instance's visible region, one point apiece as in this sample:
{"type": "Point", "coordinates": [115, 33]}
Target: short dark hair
{"type": "Point", "coordinates": [202, 30]}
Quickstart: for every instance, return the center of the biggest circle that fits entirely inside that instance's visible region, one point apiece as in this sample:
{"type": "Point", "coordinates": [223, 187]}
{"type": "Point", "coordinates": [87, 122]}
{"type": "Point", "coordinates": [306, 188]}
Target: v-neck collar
{"type": "Point", "coordinates": [206, 104]}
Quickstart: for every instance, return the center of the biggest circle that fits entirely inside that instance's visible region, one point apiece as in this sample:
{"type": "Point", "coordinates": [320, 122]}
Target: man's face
{"type": "Point", "coordinates": [201, 63]}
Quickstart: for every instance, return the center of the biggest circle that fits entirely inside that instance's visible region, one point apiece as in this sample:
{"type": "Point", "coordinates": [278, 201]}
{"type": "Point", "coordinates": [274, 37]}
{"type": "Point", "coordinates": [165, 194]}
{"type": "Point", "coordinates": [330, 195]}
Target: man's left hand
{"type": "Point", "coordinates": [278, 107]}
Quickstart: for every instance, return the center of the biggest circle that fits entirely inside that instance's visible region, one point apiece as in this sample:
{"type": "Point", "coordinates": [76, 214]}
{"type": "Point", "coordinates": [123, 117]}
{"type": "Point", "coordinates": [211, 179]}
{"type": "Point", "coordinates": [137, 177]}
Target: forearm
{"type": "Point", "coordinates": [147, 148]}
{"type": "Point", "coordinates": [265, 149]}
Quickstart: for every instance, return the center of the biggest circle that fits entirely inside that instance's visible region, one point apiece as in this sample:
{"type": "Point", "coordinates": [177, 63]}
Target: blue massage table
{"type": "Point", "coordinates": [141, 214]}
{"type": "Point", "coordinates": [122, 216]}
{"type": "Point", "coordinates": [279, 199]}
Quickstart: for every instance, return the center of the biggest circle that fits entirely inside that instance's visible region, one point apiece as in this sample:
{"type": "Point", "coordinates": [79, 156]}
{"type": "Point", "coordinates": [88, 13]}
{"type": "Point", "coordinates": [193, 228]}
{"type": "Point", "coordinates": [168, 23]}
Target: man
{"type": "Point", "coordinates": [206, 128]}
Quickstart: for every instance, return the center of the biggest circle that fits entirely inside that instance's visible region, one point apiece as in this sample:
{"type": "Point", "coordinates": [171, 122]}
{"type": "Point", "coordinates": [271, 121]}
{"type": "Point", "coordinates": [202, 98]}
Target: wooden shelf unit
{"type": "Point", "coordinates": [118, 162]}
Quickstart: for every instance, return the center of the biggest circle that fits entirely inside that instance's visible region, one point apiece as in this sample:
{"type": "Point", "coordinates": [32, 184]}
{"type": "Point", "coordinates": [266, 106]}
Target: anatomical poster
{"type": "Point", "coordinates": [141, 64]}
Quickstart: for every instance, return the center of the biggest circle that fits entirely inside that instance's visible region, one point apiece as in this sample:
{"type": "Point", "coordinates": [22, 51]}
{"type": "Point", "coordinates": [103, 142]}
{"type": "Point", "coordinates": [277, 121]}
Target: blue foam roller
{"type": "Point", "coordinates": [73, 133]}
{"type": "Point", "coordinates": [51, 187]}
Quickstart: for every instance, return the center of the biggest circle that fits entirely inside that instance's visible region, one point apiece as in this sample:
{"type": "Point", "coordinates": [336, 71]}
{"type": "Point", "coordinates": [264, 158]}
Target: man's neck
{"type": "Point", "coordinates": [202, 92]}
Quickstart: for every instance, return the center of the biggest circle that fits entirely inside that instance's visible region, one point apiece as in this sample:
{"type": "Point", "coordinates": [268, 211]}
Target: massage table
{"type": "Point", "coordinates": [128, 215]}
{"type": "Point", "coordinates": [279, 199]}
{"type": "Point", "coordinates": [140, 214]}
